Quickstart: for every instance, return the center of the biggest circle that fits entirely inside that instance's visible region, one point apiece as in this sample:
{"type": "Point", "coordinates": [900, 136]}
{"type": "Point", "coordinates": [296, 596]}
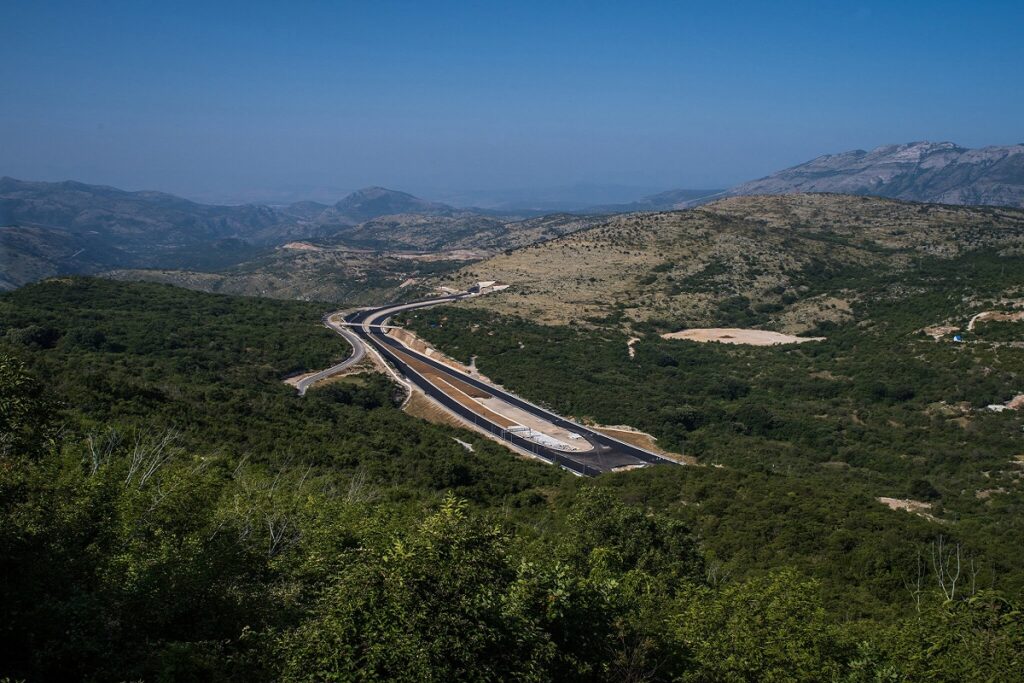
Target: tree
{"type": "Point", "coordinates": [771, 628]}
{"type": "Point", "coordinates": [977, 639]}
{"type": "Point", "coordinates": [444, 602]}
{"type": "Point", "coordinates": [25, 416]}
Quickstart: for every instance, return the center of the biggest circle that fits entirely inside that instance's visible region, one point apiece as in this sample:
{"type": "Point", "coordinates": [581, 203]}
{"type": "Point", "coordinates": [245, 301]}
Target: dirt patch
{"type": "Point", "coordinates": [908, 504]}
{"type": "Point", "coordinates": [645, 441]}
{"type": "Point", "coordinates": [465, 444]}
{"type": "Point", "coordinates": [631, 346]}
{"type": "Point", "coordinates": [937, 332]}
{"type": "Point", "coordinates": [917, 507]}
{"type": "Point", "coordinates": [301, 246]}
{"type": "Point", "coordinates": [453, 255]}
{"type": "Point", "coordinates": [836, 465]}
{"type": "Point", "coordinates": [422, 407]}
{"type": "Point", "coordinates": [737, 335]}
{"type": "Point", "coordinates": [1000, 316]}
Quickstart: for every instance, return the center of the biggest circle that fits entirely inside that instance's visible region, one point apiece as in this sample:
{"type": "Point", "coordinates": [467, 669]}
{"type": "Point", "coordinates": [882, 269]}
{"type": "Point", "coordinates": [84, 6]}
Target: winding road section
{"type": "Point", "coordinates": [358, 353]}
{"type": "Point", "coordinates": [365, 329]}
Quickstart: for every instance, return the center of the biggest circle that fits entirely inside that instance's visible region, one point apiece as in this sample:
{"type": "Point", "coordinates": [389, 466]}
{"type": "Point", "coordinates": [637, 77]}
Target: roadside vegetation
{"type": "Point", "coordinates": [169, 510]}
{"type": "Point", "coordinates": [810, 435]}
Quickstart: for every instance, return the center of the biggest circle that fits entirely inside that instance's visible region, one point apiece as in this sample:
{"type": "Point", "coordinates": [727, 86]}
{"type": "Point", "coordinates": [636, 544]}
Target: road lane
{"type": "Point", "coordinates": [607, 453]}
{"type": "Point", "coordinates": [358, 352]}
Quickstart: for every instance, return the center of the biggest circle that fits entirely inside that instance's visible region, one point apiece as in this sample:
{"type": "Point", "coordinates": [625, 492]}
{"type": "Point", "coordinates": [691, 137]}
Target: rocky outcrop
{"type": "Point", "coordinates": [939, 172]}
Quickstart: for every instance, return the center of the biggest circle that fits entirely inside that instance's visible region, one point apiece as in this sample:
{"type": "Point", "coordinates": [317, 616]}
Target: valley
{"type": "Point", "coordinates": [831, 466]}
{"type": "Point", "coordinates": [536, 342]}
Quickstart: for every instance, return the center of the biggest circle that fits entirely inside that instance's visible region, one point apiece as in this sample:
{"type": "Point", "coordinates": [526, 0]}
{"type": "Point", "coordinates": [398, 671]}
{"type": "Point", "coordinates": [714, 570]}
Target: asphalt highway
{"type": "Point", "coordinates": [358, 353]}
{"type": "Point", "coordinates": [606, 454]}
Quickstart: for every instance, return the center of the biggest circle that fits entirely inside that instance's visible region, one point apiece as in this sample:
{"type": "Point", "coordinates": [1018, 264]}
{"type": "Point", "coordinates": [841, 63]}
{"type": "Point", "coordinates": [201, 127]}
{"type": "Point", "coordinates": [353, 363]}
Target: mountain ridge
{"type": "Point", "coordinates": [932, 172]}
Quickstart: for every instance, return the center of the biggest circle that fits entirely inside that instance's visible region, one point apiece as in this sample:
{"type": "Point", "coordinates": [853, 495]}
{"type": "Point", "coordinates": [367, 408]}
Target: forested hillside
{"type": "Point", "coordinates": [169, 510]}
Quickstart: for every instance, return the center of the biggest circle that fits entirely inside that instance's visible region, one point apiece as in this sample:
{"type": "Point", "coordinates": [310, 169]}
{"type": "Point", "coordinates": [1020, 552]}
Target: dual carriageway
{"type": "Point", "coordinates": [481, 405]}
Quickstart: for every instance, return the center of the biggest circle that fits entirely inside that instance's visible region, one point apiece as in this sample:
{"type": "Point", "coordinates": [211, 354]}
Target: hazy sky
{"type": "Point", "coordinates": [221, 99]}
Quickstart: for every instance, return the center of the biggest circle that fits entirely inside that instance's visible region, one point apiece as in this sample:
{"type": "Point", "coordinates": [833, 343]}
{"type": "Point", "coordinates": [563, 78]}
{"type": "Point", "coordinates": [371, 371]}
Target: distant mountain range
{"type": "Point", "coordinates": [70, 227]}
{"type": "Point", "coordinates": [937, 172]}
{"type": "Point", "coordinates": [662, 201]}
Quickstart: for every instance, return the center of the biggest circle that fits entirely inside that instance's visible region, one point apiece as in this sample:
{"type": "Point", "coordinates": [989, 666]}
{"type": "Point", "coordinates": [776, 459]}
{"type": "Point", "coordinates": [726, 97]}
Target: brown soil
{"type": "Point", "coordinates": [1002, 316]}
{"type": "Point", "coordinates": [456, 389]}
{"type": "Point", "coordinates": [416, 344]}
{"type": "Point", "coordinates": [937, 332]}
{"type": "Point", "coordinates": [917, 507]}
{"type": "Point", "coordinates": [453, 255]}
{"type": "Point", "coordinates": [301, 246]}
{"type": "Point", "coordinates": [422, 407]}
{"type": "Point", "coordinates": [631, 346]}
{"type": "Point", "coordinates": [431, 374]}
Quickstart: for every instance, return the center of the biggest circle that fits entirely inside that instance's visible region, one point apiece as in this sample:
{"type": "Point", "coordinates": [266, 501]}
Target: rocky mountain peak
{"type": "Point", "coordinates": [923, 171]}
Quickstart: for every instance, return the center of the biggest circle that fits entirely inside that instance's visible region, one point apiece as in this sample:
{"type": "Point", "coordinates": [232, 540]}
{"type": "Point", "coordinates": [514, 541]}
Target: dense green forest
{"type": "Point", "coordinates": [170, 510]}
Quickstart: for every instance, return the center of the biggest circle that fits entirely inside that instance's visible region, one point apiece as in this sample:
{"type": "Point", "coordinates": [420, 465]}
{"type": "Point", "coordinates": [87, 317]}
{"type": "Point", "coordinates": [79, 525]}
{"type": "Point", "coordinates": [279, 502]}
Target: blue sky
{"type": "Point", "coordinates": [225, 100]}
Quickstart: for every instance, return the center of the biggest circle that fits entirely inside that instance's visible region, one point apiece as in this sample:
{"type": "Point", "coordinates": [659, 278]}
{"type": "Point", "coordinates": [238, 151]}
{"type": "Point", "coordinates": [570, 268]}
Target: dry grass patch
{"type": "Point", "coordinates": [735, 335]}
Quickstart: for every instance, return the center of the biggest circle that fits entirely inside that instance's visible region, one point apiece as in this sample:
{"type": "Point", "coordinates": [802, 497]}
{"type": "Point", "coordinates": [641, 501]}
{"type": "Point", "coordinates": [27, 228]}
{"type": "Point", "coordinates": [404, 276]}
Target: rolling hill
{"type": "Point", "coordinates": [758, 255]}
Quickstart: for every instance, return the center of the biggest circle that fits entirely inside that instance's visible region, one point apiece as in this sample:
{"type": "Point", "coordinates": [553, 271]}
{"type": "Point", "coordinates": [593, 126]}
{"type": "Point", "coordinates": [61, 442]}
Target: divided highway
{"type": "Point", "coordinates": [606, 454]}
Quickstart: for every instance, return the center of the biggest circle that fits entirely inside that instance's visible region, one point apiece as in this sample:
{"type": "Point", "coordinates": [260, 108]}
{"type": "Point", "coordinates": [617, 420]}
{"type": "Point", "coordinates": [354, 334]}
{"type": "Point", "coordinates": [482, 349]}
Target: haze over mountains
{"type": "Point", "coordinates": [71, 227]}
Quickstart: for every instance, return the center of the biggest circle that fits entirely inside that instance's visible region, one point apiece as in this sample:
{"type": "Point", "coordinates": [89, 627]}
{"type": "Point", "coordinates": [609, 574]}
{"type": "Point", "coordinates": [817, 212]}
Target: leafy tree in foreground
{"type": "Point", "coordinates": [443, 602]}
{"type": "Point", "coordinates": [771, 628]}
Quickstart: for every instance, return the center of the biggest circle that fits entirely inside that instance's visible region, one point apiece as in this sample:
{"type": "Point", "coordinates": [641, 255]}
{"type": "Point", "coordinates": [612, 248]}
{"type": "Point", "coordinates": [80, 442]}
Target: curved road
{"type": "Point", "coordinates": [358, 352]}
{"type": "Point", "coordinates": [606, 454]}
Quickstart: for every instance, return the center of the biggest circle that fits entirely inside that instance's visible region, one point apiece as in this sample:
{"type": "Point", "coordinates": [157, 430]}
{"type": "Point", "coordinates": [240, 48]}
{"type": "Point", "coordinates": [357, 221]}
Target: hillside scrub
{"type": "Point", "coordinates": [170, 511]}
{"type": "Point", "coordinates": [878, 409]}
{"type": "Point", "coordinates": [738, 262]}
